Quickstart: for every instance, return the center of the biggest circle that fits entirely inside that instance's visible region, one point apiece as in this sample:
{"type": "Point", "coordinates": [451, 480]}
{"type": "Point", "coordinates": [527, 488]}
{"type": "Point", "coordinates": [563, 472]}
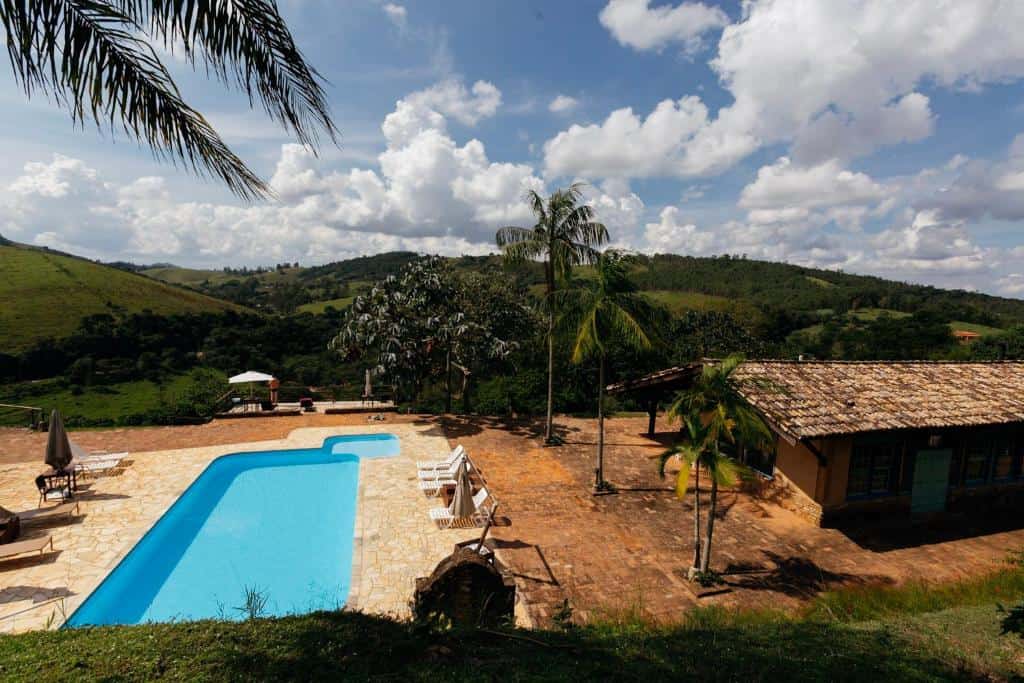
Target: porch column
{"type": "Point", "coordinates": [652, 413]}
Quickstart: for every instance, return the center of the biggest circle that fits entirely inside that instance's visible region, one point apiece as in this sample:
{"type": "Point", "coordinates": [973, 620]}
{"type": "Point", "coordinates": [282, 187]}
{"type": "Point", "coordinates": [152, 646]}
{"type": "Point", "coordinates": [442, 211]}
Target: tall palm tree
{"type": "Point", "coordinates": [97, 59]}
{"type": "Point", "coordinates": [715, 416]}
{"type": "Point", "coordinates": [564, 236]}
{"type": "Point", "coordinates": [601, 312]}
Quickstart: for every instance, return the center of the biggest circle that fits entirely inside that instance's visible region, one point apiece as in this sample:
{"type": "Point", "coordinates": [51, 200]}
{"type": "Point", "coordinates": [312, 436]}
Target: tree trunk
{"type": "Point", "coordinates": [548, 427]}
{"type": "Point", "coordinates": [599, 484]}
{"type": "Point", "coordinates": [448, 382]}
{"type": "Point", "coordinates": [465, 393]}
{"type": "Point", "coordinates": [706, 559]}
{"type": "Point", "coordinates": [696, 517]}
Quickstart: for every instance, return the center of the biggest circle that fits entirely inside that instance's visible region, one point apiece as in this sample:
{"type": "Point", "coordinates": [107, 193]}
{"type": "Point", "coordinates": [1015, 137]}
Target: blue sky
{"type": "Point", "coordinates": [869, 136]}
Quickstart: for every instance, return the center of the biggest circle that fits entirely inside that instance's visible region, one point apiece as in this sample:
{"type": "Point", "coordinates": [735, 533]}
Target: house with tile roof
{"type": "Point", "coordinates": [878, 439]}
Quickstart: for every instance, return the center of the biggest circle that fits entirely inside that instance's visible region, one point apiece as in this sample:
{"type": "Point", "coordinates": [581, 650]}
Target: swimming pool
{"type": "Point", "coordinates": [275, 524]}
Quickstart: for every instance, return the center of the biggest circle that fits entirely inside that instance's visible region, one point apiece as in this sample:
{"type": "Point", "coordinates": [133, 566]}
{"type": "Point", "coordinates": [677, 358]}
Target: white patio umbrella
{"type": "Point", "coordinates": [250, 377]}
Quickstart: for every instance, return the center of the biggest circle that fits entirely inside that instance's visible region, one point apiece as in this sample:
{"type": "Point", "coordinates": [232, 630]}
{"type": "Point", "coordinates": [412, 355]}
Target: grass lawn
{"type": "Point", "coordinates": [95, 403]}
{"type": "Point", "coordinates": [819, 281]}
{"type": "Point", "coordinates": [868, 314]}
{"type": "Point", "coordinates": [678, 302]}
{"type": "Point", "coordinates": [318, 307]}
{"type": "Point", "coordinates": [43, 294]}
{"type": "Point", "coordinates": [710, 645]}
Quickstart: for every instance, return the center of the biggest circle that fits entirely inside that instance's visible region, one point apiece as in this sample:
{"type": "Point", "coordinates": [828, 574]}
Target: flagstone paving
{"type": "Point", "coordinates": [395, 540]}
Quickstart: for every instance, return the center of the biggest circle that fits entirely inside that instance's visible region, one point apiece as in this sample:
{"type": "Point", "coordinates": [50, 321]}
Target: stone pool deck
{"type": "Point", "coordinates": [395, 542]}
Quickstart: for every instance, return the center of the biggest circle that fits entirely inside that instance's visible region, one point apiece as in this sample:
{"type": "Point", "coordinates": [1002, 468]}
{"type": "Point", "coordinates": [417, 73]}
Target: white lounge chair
{"type": "Point", "coordinates": [446, 473]}
{"type": "Point", "coordinates": [482, 505]}
{"type": "Point", "coordinates": [431, 484]}
{"type": "Point", "coordinates": [446, 464]}
{"type": "Point", "coordinates": [93, 463]}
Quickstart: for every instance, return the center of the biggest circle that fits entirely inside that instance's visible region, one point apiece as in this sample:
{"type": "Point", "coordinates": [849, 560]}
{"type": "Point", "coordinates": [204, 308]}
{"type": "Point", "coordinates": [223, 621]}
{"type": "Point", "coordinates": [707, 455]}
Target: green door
{"type": "Point", "coordinates": [931, 481]}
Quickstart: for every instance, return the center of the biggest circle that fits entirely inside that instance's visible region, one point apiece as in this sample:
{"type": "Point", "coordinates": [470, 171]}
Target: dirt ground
{"type": "Point", "coordinates": [626, 552]}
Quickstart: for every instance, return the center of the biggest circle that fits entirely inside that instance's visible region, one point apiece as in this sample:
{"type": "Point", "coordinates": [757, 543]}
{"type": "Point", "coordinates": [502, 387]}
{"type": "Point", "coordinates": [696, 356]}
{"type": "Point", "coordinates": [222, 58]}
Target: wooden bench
{"type": "Point", "coordinates": [35, 545]}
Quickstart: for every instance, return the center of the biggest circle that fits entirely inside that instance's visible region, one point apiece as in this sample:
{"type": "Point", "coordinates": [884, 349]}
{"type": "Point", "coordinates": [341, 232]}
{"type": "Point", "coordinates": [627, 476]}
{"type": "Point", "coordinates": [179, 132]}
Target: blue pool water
{"type": "Point", "coordinates": [279, 522]}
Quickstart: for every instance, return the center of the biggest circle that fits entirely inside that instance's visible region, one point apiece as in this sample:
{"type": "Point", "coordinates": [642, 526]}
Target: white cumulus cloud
{"type": "Point", "coordinates": [635, 24]}
{"type": "Point", "coordinates": [562, 104]}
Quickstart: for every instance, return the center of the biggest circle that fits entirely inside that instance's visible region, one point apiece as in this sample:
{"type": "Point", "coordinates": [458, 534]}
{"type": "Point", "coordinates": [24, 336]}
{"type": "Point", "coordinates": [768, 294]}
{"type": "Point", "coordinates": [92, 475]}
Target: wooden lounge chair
{"type": "Point", "coordinates": [35, 545]}
{"type": "Point", "coordinates": [444, 518]}
{"type": "Point", "coordinates": [68, 509]}
{"type": "Point", "coordinates": [446, 464]}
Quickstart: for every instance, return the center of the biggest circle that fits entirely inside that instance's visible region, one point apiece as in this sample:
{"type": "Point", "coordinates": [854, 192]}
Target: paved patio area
{"type": "Point", "coordinates": [608, 554]}
{"type": "Point", "coordinates": [395, 542]}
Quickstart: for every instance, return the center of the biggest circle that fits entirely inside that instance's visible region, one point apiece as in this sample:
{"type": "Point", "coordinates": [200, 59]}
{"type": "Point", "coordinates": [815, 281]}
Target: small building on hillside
{"type": "Point", "coordinates": [877, 440]}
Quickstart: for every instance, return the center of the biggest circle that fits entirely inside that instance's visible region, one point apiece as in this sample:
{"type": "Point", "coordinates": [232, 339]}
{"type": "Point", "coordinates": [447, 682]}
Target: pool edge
{"type": "Point", "coordinates": [74, 603]}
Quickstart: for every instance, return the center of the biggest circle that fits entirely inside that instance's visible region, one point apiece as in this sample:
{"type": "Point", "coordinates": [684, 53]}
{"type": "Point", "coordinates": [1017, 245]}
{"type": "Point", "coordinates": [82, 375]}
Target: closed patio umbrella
{"type": "Point", "coordinates": [367, 387]}
{"type": "Point", "coordinates": [462, 503]}
{"type": "Point", "coordinates": [58, 449]}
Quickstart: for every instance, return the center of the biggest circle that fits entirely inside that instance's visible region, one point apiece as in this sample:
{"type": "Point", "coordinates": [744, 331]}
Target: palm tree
{"type": "Point", "coordinates": [96, 58]}
{"type": "Point", "coordinates": [600, 312]}
{"type": "Point", "coordinates": [715, 414]}
{"type": "Point", "coordinates": [565, 236]}
{"type": "Point", "coordinates": [689, 451]}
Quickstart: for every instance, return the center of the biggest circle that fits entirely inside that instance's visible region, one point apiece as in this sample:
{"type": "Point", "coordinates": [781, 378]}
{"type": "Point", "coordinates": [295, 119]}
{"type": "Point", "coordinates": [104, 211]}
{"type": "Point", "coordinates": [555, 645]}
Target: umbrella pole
{"type": "Point", "coordinates": [487, 527]}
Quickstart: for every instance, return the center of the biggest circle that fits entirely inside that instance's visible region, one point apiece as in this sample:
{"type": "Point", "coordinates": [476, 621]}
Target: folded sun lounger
{"type": "Point", "coordinates": [10, 550]}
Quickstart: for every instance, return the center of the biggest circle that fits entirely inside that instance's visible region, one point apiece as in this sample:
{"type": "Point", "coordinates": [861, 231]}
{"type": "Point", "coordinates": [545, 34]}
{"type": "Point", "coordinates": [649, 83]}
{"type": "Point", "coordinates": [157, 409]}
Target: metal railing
{"type": "Point", "coordinates": [12, 415]}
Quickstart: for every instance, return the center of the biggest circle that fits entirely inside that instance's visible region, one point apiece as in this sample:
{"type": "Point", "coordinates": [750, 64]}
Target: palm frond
{"type": "Point", "coordinates": [722, 469]}
{"type": "Point", "coordinates": [88, 55]}
{"type": "Point", "coordinates": [519, 244]}
{"type": "Point", "coordinates": [626, 327]}
{"type": "Point", "coordinates": [588, 338]}
{"type": "Point", "coordinates": [536, 203]}
{"type": "Point", "coordinates": [245, 41]}
{"type": "Point", "coordinates": [682, 481]}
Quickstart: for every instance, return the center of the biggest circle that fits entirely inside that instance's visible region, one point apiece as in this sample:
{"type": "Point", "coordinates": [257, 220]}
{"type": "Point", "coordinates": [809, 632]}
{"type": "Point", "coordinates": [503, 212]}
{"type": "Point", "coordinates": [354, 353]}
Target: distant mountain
{"type": "Point", "coordinates": [44, 293]}
{"type": "Point", "coordinates": [761, 294]}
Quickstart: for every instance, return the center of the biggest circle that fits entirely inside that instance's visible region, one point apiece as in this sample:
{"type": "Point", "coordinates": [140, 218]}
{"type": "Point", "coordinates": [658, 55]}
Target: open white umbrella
{"type": "Point", "coordinates": [462, 503]}
{"type": "Point", "coordinates": [250, 377]}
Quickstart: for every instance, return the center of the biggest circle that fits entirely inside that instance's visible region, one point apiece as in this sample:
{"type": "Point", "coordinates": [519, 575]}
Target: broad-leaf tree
{"type": "Point", "coordinates": [718, 422]}
{"type": "Point", "coordinates": [424, 324]}
{"type": "Point", "coordinates": [603, 313]}
{"type": "Point", "coordinates": [96, 58]}
{"type": "Point", "coordinates": [565, 235]}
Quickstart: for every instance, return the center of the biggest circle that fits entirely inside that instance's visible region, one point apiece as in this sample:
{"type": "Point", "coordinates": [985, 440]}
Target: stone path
{"type": "Point", "coordinates": [396, 541]}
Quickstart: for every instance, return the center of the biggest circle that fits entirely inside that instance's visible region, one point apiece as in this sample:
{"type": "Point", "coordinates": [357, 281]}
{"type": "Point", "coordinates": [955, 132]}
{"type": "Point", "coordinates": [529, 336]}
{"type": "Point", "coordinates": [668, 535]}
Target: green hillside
{"type": "Point", "coordinates": [46, 294]}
